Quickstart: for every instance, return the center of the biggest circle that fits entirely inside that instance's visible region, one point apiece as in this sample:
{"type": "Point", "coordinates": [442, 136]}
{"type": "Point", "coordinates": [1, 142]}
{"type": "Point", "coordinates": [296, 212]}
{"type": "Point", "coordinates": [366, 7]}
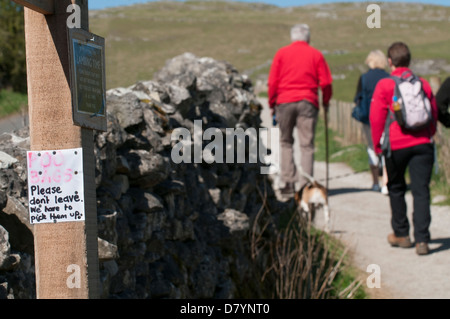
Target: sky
{"type": "Point", "coordinates": [102, 4]}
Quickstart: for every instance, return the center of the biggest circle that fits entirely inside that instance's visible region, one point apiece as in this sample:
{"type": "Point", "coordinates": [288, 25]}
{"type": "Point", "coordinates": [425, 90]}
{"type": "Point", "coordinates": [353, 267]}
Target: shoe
{"type": "Point", "coordinates": [422, 249]}
{"type": "Point", "coordinates": [288, 190]}
{"type": "Point", "coordinates": [384, 190]}
{"type": "Point", "coordinates": [376, 188]}
{"type": "Point", "coordinates": [403, 242]}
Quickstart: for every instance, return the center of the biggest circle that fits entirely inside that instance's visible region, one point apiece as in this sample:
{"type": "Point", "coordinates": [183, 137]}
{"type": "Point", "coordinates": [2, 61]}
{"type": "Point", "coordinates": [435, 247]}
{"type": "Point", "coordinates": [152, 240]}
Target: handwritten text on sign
{"type": "Point", "coordinates": [55, 186]}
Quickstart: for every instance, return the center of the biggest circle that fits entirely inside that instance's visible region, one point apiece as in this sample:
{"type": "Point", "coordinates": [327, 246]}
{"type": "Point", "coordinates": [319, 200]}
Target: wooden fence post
{"type": "Point", "coordinates": [66, 254]}
{"type": "Point", "coordinates": [341, 122]}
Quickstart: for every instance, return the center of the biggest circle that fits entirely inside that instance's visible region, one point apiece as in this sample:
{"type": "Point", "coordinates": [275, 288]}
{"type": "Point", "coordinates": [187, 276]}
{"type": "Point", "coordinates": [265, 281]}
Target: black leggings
{"type": "Point", "coordinates": [420, 160]}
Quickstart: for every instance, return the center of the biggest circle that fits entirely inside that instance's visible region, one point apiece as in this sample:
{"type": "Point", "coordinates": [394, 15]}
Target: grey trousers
{"type": "Point", "coordinates": [302, 115]}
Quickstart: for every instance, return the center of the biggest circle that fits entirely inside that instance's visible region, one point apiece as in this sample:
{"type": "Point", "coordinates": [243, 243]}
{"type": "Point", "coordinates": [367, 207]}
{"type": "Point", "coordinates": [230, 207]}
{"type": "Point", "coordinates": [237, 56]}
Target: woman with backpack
{"type": "Point", "coordinates": [408, 144]}
{"type": "Point", "coordinates": [377, 62]}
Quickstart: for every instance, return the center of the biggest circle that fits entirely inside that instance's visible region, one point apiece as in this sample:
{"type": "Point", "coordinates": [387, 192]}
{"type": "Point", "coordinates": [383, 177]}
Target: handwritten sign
{"type": "Point", "coordinates": [55, 186]}
{"type": "Point", "coordinates": [87, 66]}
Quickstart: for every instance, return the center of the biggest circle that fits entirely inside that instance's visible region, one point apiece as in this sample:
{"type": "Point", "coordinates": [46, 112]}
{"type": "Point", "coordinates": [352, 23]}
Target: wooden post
{"type": "Point", "coordinates": [41, 6]}
{"type": "Point", "coordinates": [66, 254]}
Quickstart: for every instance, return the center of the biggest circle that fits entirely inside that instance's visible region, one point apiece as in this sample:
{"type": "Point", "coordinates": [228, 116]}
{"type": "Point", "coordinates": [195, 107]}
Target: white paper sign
{"type": "Point", "coordinates": [55, 186]}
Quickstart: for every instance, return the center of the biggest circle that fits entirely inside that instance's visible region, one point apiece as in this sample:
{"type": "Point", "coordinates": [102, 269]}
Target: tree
{"type": "Point", "coordinates": [12, 47]}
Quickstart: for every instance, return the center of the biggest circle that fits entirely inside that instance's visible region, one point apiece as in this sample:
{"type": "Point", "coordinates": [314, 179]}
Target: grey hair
{"type": "Point", "coordinates": [300, 32]}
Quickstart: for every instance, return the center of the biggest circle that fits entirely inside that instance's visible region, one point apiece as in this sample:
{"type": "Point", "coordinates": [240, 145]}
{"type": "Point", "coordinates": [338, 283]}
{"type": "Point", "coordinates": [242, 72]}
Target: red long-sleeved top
{"type": "Point", "coordinates": [382, 101]}
{"type": "Point", "coordinates": [297, 71]}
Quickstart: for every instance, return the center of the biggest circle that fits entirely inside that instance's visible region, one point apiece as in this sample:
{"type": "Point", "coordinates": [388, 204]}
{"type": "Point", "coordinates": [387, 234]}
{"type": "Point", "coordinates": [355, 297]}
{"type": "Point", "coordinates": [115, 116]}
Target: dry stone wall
{"type": "Point", "coordinates": [165, 230]}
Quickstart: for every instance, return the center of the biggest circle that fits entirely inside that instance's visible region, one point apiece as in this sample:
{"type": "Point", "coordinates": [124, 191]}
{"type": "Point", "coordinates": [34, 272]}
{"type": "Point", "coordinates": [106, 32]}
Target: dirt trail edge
{"type": "Point", "coordinates": [360, 218]}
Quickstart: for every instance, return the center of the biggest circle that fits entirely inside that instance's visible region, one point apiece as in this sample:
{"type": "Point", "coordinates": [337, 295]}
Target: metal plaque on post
{"type": "Point", "coordinates": [88, 82]}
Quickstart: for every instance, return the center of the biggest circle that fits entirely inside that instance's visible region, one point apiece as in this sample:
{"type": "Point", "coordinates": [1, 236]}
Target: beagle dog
{"type": "Point", "coordinates": [311, 197]}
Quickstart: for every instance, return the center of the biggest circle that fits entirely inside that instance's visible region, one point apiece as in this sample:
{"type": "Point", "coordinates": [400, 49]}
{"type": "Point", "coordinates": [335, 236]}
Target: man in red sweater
{"type": "Point", "coordinates": [297, 71]}
{"type": "Point", "coordinates": [408, 148]}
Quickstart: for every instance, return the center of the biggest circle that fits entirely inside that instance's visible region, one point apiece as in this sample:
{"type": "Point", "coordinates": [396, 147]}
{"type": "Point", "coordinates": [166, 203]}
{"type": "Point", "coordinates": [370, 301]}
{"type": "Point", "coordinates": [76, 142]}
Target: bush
{"type": "Point", "coordinates": [303, 263]}
{"type": "Point", "coordinates": [12, 44]}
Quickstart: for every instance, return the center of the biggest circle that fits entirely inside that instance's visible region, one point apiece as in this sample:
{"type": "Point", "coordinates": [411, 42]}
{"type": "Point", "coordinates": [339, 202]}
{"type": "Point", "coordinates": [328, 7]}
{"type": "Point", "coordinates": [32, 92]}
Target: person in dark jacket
{"type": "Point", "coordinates": [377, 63]}
{"type": "Point", "coordinates": [443, 102]}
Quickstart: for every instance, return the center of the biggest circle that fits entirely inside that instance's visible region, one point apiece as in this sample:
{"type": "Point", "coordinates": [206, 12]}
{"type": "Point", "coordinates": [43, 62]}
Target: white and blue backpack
{"type": "Point", "coordinates": [415, 106]}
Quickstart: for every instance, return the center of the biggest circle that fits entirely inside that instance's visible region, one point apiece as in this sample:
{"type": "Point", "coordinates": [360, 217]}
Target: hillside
{"type": "Point", "coordinates": [140, 38]}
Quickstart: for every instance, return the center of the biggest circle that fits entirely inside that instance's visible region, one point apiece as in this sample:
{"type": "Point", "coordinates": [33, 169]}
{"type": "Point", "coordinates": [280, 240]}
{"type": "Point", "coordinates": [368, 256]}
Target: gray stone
{"type": "Point", "coordinates": [10, 263]}
{"type": "Point", "coordinates": [215, 195]}
{"type": "Point", "coordinates": [146, 201]}
{"type": "Point", "coordinates": [126, 108]}
{"type": "Point", "coordinates": [106, 224]}
{"type": "Point", "coordinates": [6, 160]}
{"type": "Point", "coordinates": [111, 267]}
{"type": "Point", "coordinates": [122, 181]}
{"type": "Point", "coordinates": [3, 290]}
{"type": "Point", "coordinates": [106, 250]}
{"type": "Point", "coordinates": [234, 220]}
{"type": "Point", "coordinates": [181, 230]}
{"type": "Point", "coordinates": [154, 120]}
{"type": "Point", "coordinates": [118, 91]}
{"type": "Point", "coordinates": [154, 139]}
{"type": "Point", "coordinates": [180, 70]}
{"type": "Point", "coordinates": [122, 165]}
{"type": "Point", "coordinates": [142, 96]}
{"type": "Point", "coordinates": [115, 187]}
{"type": "Point", "coordinates": [147, 169]}
{"type": "Point", "coordinates": [153, 89]}
{"type": "Point", "coordinates": [3, 198]}
{"type": "Point", "coordinates": [180, 98]}
{"type": "Point", "coordinates": [205, 277]}
{"type": "Point", "coordinates": [162, 289]}
{"type": "Point", "coordinates": [15, 219]}
{"type": "Point", "coordinates": [5, 248]}
{"type": "Point", "coordinates": [164, 107]}
{"type": "Point", "coordinates": [224, 114]}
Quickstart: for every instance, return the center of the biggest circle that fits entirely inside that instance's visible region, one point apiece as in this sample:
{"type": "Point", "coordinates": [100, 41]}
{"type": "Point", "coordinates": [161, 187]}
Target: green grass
{"type": "Point", "coordinates": [348, 274]}
{"type": "Point", "coordinates": [333, 250]}
{"type": "Point", "coordinates": [12, 102]}
{"type": "Point", "coordinates": [439, 185]}
{"type": "Point", "coordinates": [353, 155]}
{"type": "Point", "coordinates": [140, 38]}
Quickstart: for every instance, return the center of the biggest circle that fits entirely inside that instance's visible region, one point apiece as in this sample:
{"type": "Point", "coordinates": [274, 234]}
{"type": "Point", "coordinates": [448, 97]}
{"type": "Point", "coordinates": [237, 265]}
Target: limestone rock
{"type": "Point", "coordinates": [234, 220]}
{"type": "Point", "coordinates": [165, 230]}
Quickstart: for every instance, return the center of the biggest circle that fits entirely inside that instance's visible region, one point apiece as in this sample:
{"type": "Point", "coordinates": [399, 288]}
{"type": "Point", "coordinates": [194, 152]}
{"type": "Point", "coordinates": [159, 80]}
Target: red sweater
{"type": "Point", "coordinates": [297, 71]}
{"type": "Point", "coordinates": [399, 138]}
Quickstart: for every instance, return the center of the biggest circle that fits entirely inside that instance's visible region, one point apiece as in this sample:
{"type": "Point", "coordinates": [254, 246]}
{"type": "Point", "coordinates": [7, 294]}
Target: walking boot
{"type": "Point", "coordinates": [403, 242]}
{"type": "Point", "coordinates": [422, 249]}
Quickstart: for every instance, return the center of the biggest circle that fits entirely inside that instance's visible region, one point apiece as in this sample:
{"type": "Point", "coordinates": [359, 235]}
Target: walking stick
{"type": "Point", "coordinates": [326, 149]}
